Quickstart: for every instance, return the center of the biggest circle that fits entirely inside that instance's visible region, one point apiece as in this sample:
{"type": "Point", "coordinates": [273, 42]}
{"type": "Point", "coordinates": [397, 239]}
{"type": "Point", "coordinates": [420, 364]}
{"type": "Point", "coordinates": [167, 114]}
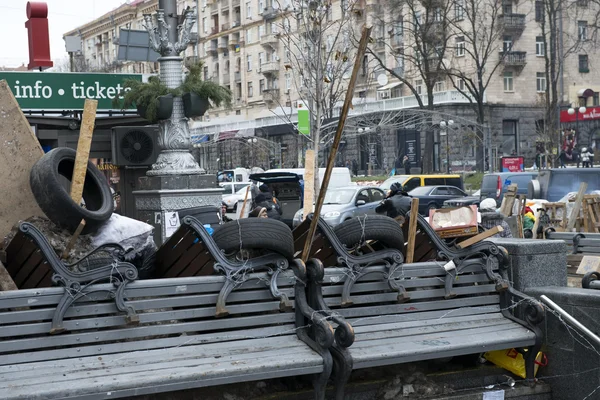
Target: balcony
{"type": "Point", "coordinates": [271, 40]}
{"type": "Point", "coordinates": [225, 6]}
{"type": "Point", "coordinates": [235, 23]}
{"type": "Point", "coordinates": [226, 78]}
{"type": "Point", "coordinates": [225, 26]}
{"type": "Point", "coordinates": [269, 13]}
{"type": "Point", "coordinates": [380, 43]}
{"type": "Point", "coordinates": [212, 48]}
{"type": "Point", "coordinates": [270, 95]}
{"type": "Point", "coordinates": [514, 58]}
{"type": "Point", "coordinates": [237, 76]}
{"type": "Point", "coordinates": [512, 23]}
{"type": "Point", "coordinates": [214, 8]}
{"type": "Point", "coordinates": [223, 45]}
{"type": "Point", "coordinates": [271, 67]}
{"type": "Point", "coordinates": [233, 42]}
{"type": "Point", "coordinates": [214, 30]}
{"type": "Point", "coordinates": [215, 78]}
{"type": "Point", "coordinates": [398, 71]}
{"type": "Point", "coordinates": [235, 3]}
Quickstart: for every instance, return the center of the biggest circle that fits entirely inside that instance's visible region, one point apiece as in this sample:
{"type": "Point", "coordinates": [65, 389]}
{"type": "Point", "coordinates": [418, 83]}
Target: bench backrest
{"type": "Point", "coordinates": [172, 312]}
{"type": "Point", "coordinates": [374, 302]}
{"type": "Point", "coordinates": [27, 264]}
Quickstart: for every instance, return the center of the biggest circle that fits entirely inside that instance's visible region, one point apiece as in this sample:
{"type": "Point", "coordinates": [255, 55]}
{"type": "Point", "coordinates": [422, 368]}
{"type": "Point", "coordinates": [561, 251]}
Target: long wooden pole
{"type": "Point", "coordinates": [412, 230]}
{"type": "Point", "coordinates": [362, 47]}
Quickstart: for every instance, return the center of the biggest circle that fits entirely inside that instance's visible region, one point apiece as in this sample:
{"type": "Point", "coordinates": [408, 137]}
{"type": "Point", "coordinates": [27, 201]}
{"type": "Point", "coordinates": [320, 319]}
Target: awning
{"type": "Point", "coordinates": [240, 133]}
{"type": "Point", "coordinates": [389, 86]}
{"type": "Point", "coordinates": [585, 93]}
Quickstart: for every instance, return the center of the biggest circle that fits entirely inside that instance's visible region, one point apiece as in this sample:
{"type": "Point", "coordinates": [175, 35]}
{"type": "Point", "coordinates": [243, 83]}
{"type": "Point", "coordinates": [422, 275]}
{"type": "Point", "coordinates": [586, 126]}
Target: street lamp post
{"type": "Point", "coordinates": [250, 142]}
{"type": "Point", "coordinates": [577, 111]}
{"type": "Point", "coordinates": [444, 132]}
{"type": "Point", "coordinates": [370, 161]}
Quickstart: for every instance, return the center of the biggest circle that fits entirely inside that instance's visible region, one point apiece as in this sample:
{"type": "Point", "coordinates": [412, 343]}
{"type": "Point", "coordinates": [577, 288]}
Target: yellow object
{"type": "Point", "coordinates": [513, 361]}
{"type": "Point", "coordinates": [530, 215]}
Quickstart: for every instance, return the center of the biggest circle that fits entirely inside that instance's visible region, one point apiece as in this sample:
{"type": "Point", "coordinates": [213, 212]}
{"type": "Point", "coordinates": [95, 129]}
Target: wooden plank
{"type": "Point", "coordinates": [169, 245]}
{"type": "Point", "coordinates": [19, 151]}
{"type": "Point", "coordinates": [509, 200]}
{"type": "Point", "coordinates": [576, 206]}
{"type": "Point", "coordinates": [6, 281]}
{"type": "Point", "coordinates": [71, 243]}
{"type": "Point", "coordinates": [362, 47]}
{"type": "Point", "coordinates": [412, 229]}
{"type": "Point", "coordinates": [242, 213]}
{"type": "Point", "coordinates": [171, 257]}
{"type": "Point", "coordinates": [32, 271]}
{"type": "Point", "coordinates": [478, 238]}
{"type": "Point", "coordinates": [183, 262]}
{"type": "Point", "coordinates": [309, 183]}
{"type": "Point", "coordinates": [84, 145]}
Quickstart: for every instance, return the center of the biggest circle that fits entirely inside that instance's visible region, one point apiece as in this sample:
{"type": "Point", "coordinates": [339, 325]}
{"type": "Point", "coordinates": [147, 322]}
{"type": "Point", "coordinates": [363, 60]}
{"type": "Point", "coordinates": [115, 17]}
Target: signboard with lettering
{"type": "Point", "coordinates": [590, 113]}
{"type": "Point", "coordinates": [65, 91]}
{"type": "Point", "coordinates": [512, 164]}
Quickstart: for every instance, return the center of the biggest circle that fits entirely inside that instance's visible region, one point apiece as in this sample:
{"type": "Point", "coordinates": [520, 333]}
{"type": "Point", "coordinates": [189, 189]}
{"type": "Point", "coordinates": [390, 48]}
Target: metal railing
{"type": "Point", "coordinates": [514, 58]}
{"type": "Point", "coordinates": [513, 22]}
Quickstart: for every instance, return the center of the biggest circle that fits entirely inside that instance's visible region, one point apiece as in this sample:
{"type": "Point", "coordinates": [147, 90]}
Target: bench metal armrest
{"type": "Point", "coordinates": [526, 306]}
{"type": "Point", "coordinates": [344, 332]}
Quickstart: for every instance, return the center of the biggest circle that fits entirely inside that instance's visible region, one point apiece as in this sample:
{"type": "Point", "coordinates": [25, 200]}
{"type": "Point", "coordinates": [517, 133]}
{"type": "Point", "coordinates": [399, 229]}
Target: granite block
{"type": "Point", "coordinates": [178, 182]}
{"type": "Point", "coordinates": [203, 181]}
{"type": "Point", "coordinates": [519, 247]}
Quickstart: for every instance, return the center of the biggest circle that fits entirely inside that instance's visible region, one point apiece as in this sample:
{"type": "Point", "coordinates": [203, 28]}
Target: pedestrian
{"type": "Point", "coordinates": [406, 163]}
{"type": "Point", "coordinates": [348, 165]}
{"type": "Point", "coordinates": [354, 168]}
{"type": "Point", "coordinates": [491, 218]}
{"type": "Point", "coordinates": [267, 200]}
{"type": "Point", "coordinates": [396, 203]}
{"type": "Point", "coordinates": [585, 157]}
{"type": "Point", "coordinates": [398, 166]}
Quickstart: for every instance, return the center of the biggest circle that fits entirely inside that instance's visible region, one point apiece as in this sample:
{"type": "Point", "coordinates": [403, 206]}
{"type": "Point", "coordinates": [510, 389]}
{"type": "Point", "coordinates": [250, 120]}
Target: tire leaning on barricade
{"type": "Point", "coordinates": [356, 231]}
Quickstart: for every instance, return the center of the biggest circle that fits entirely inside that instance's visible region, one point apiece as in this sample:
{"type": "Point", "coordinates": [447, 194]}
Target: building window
{"type": "Point", "coordinates": [249, 62]}
{"type": "Point", "coordinates": [439, 86]}
{"type": "Point", "coordinates": [539, 11]}
{"type": "Point", "coordinates": [583, 63]}
{"type": "Point", "coordinates": [261, 31]}
{"type": "Point", "coordinates": [205, 25]}
{"type": "Point", "coordinates": [288, 81]}
{"type": "Point", "coordinates": [460, 46]}
{"type": "Point", "coordinates": [249, 36]}
{"type": "Point", "coordinates": [261, 6]}
{"type": "Point", "coordinates": [437, 14]}
{"type": "Point", "coordinates": [582, 30]}
{"type": "Point", "coordinates": [250, 89]}
{"type": "Point", "coordinates": [419, 86]}
{"type": "Point", "coordinates": [365, 66]}
{"type": "Point", "coordinates": [417, 16]}
{"type": "Point", "coordinates": [509, 137]}
{"type": "Point", "coordinates": [540, 82]}
{"type": "Point", "coordinates": [539, 46]}
{"type": "Point", "coordinates": [508, 81]}
{"type": "Point", "coordinates": [249, 10]}
{"type": "Point", "coordinates": [507, 7]}
{"type": "Point", "coordinates": [596, 99]}
{"type": "Point", "coordinates": [582, 3]}
{"type": "Point", "coordinates": [261, 58]}
{"type": "Point", "coordinates": [261, 85]}
{"type": "Point", "coordinates": [459, 10]}
{"type": "Point", "coordinates": [507, 43]}
{"type": "Point", "coordinates": [460, 84]}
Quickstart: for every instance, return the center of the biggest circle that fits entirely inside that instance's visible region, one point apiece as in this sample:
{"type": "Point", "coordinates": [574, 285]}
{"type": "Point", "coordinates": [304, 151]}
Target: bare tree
{"type": "Point", "coordinates": [568, 28]}
{"type": "Point", "coordinates": [420, 38]}
{"type": "Point", "coordinates": [318, 57]}
{"type": "Point", "coordinates": [79, 64]}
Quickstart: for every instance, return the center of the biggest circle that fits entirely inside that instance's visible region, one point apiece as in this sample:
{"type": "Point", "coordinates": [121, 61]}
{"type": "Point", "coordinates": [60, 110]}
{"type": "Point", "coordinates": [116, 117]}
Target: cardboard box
{"type": "Point", "coordinates": [454, 222]}
{"type": "Point", "coordinates": [588, 264]}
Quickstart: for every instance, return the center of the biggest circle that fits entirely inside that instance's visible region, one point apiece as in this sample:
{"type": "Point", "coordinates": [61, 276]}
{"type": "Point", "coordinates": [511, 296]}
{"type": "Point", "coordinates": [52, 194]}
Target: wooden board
{"type": "Point", "coordinates": [412, 229]}
{"type": "Point", "coordinates": [19, 151]}
{"type": "Point", "coordinates": [577, 206]}
{"type": "Point", "coordinates": [480, 237]}
{"type": "Point", "coordinates": [309, 183]}
{"type": "Point", "coordinates": [83, 149]}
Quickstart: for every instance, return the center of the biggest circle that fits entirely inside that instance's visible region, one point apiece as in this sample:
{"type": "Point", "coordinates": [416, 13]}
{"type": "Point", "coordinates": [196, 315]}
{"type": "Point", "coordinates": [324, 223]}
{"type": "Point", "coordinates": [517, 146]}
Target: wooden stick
{"type": "Point", "coordinates": [480, 237]}
{"type": "Point", "coordinates": [412, 230]}
{"type": "Point", "coordinates": [71, 243]}
{"type": "Point", "coordinates": [245, 201]}
{"type": "Point", "coordinates": [362, 47]}
{"type": "Point", "coordinates": [83, 149]}
{"type": "Point", "coordinates": [309, 183]}
{"type": "Point", "coordinates": [576, 207]}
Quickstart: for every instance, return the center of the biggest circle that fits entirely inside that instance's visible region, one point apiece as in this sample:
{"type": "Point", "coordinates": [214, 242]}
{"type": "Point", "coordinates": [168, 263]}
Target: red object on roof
{"type": "Point", "coordinates": [39, 40]}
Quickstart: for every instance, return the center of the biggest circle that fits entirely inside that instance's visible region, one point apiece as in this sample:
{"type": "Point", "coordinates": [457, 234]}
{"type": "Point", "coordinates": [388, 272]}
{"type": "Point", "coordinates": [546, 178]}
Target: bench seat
{"type": "Point", "coordinates": [178, 344]}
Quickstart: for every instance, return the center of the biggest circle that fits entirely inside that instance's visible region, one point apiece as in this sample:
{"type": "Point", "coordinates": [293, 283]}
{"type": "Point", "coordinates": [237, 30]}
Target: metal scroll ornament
{"type": "Point", "coordinates": [174, 134]}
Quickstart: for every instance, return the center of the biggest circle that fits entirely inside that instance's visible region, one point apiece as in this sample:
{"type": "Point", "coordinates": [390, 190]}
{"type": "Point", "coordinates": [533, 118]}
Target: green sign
{"type": "Point", "coordinates": [64, 91]}
{"type": "Point", "coordinates": [303, 119]}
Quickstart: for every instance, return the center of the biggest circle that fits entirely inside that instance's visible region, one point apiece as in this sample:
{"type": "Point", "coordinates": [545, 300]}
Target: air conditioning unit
{"type": "Point", "coordinates": [276, 58]}
{"type": "Point", "coordinates": [134, 146]}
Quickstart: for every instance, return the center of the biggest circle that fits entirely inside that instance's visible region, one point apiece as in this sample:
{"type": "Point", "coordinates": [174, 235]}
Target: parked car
{"type": "Point", "coordinates": [232, 188]}
{"type": "Point", "coordinates": [433, 197]}
{"type": "Point", "coordinates": [473, 199]}
{"type": "Point", "coordinates": [553, 184]}
{"type": "Point", "coordinates": [344, 203]}
{"type": "Point", "coordinates": [494, 185]}
{"type": "Point", "coordinates": [409, 182]}
{"type": "Point", "coordinates": [231, 200]}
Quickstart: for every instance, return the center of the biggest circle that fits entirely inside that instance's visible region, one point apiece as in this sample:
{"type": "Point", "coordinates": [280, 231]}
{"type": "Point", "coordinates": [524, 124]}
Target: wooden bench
{"type": "Point", "coordinates": [483, 315]}
{"type": "Point", "coordinates": [32, 263]}
{"type": "Point", "coordinates": [179, 342]}
{"type": "Point", "coordinates": [191, 251]}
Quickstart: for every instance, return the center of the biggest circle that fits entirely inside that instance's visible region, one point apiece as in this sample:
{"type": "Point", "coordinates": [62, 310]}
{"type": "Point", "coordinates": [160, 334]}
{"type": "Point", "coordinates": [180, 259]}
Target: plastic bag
{"type": "Point", "coordinates": [513, 361]}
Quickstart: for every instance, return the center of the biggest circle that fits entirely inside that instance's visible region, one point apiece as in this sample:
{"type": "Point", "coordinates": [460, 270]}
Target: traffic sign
{"type": "Point", "coordinates": [65, 91]}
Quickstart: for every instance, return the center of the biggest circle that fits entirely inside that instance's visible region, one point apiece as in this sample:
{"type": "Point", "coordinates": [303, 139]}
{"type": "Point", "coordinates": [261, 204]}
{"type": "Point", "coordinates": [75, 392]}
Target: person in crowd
{"type": "Point", "coordinates": [224, 217]}
{"type": "Point", "coordinates": [491, 218]}
{"type": "Point", "coordinates": [398, 166]}
{"type": "Point", "coordinates": [258, 212]}
{"type": "Point", "coordinates": [406, 164]}
{"type": "Point", "coordinates": [586, 157]}
{"type": "Point", "coordinates": [354, 168]}
{"type": "Point", "coordinates": [396, 203]}
{"type": "Point", "coordinates": [265, 199]}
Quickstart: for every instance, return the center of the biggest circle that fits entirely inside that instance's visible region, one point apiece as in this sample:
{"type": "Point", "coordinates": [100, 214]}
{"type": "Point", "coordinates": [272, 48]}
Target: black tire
{"type": "Point", "coordinates": [255, 233]}
{"type": "Point", "coordinates": [371, 227]}
{"type": "Point", "coordinates": [432, 206]}
{"type": "Point", "coordinates": [48, 180]}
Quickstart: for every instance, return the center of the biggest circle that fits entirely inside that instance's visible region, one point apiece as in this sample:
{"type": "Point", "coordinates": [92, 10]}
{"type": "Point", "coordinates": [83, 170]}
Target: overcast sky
{"type": "Point", "coordinates": [63, 15]}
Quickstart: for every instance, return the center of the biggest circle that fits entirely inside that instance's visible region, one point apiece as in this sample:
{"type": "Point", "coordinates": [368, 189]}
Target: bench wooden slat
{"type": "Point", "coordinates": [203, 352]}
{"type": "Point", "coordinates": [138, 382]}
{"type": "Point", "coordinates": [440, 345]}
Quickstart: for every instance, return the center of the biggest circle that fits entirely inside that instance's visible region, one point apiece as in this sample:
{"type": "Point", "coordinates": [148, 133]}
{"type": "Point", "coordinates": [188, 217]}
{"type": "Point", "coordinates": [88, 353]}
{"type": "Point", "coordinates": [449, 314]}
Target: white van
{"type": "Point", "coordinates": [285, 184]}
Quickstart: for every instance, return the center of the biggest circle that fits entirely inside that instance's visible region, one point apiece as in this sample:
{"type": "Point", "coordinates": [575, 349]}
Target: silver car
{"type": "Point", "coordinates": [343, 203]}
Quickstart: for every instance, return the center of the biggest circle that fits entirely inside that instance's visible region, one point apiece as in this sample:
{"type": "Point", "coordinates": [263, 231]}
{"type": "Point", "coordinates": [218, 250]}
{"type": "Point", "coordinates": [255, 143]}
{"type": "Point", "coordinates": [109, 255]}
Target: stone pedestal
{"type": "Point", "coordinates": [160, 195]}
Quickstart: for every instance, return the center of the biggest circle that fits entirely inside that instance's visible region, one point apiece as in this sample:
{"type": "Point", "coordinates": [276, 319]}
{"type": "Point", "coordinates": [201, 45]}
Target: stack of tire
{"type": "Point", "coordinates": [356, 232]}
{"type": "Point", "coordinates": [50, 181]}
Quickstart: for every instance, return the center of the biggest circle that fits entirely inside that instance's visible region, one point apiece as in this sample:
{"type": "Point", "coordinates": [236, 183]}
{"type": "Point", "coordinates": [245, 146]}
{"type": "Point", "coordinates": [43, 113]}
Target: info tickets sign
{"type": "Point", "coordinates": [65, 91]}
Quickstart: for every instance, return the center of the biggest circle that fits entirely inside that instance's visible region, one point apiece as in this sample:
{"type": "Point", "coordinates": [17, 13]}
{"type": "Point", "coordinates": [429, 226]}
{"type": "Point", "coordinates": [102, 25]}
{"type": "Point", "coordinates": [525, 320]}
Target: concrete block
{"type": "Point", "coordinates": [536, 262]}
{"type": "Point", "coordinates": [19, 151]}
